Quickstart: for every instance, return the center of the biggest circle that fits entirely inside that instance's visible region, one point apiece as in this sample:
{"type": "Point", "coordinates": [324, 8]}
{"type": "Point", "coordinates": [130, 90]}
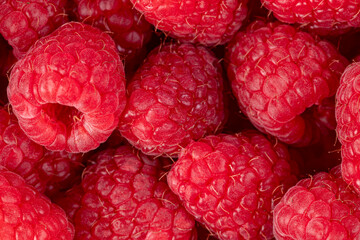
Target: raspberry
{"type": "Point", "coordinates": [348, 125]}
{"type": "Point", "coordinates": [69, 90]}
{"type": "Point", "coordinates": [22, 22]}
{"type": "Point", "coordinates": [123, 196]}
{"type": "Point", "coordinates": [130, 31]}
{"type": "Point", "coordinates": [277, 72]}
{"type": "Point", "coordinates": [231, 182]}
{"type": "Point", "coordinates": [320, 207]}
{"type": "Point", "coordinates": [323, 17]}
{"type": "Point", "coordinates": [209, 22]}
{"type": "Point", "coordinates": [27, 214]}
{"type": "Point", "coordinates": [175, 96]}
{"type": "Point", "coordinates": [49, 172]}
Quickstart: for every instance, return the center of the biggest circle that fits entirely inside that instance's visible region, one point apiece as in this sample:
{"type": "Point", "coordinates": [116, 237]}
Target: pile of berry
{"type": "Point", "coordinates": [179, 120]}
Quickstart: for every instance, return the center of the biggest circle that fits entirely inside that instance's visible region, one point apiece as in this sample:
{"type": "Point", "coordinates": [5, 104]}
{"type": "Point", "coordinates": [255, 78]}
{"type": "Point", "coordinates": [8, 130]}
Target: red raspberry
{"type": "Point", "coordinates": [348, 124]}
{"type": "Point", "coordinates": [123, 196]}
{"type": "Point", "coordinates": [209, 22]}
{"type": "Point", "coordinates": [231, 182]}
{"type": "Point", "coordinates": [277, 72]}
{"type": "Point", "coordinates": [69, 90]}
{"type": "Point", "coordinates": [175, 96]}
{"type": "Point", "coordinates": [27, 214]}
{"type": "Point", "coordinates": [320, 207]}
{"type": "Point", "coordinates": [322, 17]}
{"type": "Point", "coordinates": [130, 31]}
{"type": "Point", "coordinates": [22, 22]}
{"type": "Point", "coordinates": [49, 172]}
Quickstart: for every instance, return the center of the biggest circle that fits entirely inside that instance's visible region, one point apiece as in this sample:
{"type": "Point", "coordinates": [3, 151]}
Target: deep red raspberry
{"type": "Point", "coordinates": [277, 72]}
{"type": "Point", "coordinates": [22, 22]}
{"type": "Point", "coordinates": [320, 207]}
{"type": "Point", "coordinates": [348, 124]}
{"type": "Point", "coordinates": [209, 22]}
{"type": "Point", "coordinates": [175, 96]}
{"type": "Point", "coordinates": [130, 31]}
{"type": "Point", "coordinates": [230, 183]}
{"type": "Point", "coordinates": [323, 17]}
{"type": "Point", "coordinates": [125, 196]}
{"type": "Point", "coordinates": [49, 172]}
{"type": "Point", "coordinates": [27, 214]}
{"type": "Point", "coordinates": [69, 90]}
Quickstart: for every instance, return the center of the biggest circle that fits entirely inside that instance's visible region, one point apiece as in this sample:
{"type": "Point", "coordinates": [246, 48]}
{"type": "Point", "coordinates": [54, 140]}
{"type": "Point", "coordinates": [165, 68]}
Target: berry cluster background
{"type": "Point", "coordinates": [179, 120]}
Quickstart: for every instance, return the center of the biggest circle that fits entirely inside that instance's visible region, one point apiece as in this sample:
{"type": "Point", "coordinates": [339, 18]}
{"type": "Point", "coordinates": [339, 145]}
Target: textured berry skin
{"type": "Point", "coordinates": [69, 90]}
{"type": "Point", "coordinates": [175, 96]}
{"type": "Point", "coordinates": [277, 72]}
{"type": "Point", "coordinates": [22, 22]}
{"type": "Point", "coordinates": [348, 124]}
{"type": "Point", "coordinates": [130, 31]}
{"type": "Point", "coordinates": [27, 214]}
{"type": "Point", "coordinates": [230, 183]}
{"type": "Point", "coordinates": [125, 196]}
{"type": "Point", "coordinates": [323, 17]}
{"type": "Point", "coordinates": [209, 22]}
{"type": "Point", "coordinates": [49, 172]}
{"type": "Point", "coordinates": [321, 207]}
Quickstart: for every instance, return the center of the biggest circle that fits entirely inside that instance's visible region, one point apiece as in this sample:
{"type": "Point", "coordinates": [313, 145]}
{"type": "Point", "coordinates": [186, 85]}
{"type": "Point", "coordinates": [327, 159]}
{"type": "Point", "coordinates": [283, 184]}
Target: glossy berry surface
{"type": "Point", "coordinates": [22, 22]}
{"type": "Point", "coordinates": [348, 124]}
{"type": "Point", "coordinates": [129, 29]}
{"type": "Point", "coordinates": [27, 214]}
{"type": "Point", "coordinates": [277, 72]}
{"type": "Point", "coordinates": [230, 183]}
{"type": "Point", "coordinates": [208, 22]}
{"type": "Point", "coordinates": [49, 172]}
{"type": "Point", "coordinates": [175, 96]}
{"type": "Point", "coordinates": [124, 196]}
{"type": "Point", "coordinates": [323, 206]}
{"type": "Point", "coordinates": [322, 17]}
{"type": "Point", "coordinates": [69, 90]}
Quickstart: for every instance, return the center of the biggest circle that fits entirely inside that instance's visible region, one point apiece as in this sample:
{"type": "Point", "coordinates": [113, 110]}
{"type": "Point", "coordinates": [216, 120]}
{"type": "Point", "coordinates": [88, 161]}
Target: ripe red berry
{"type": "Point", "coordinates": [320, 207]}
{"type": "Point", "coordinates": [347, 116]}
{"type": "Point", "coordinates": [175, 96]}
{"type": "Point", "coordinates": [22, 22]}
{"type": "Point", "coordinates": [27, 214]}
{"type": "Point", "coordinates": [208, 22]}
{"type": "Point", "coordinates": [49, 172]}
{"type": "Point", "coordinates": [123, 195]}
{"type": "Point", "coordinates": [69, 90]}
{"type": "Point", "coordinates": [130, 31]}
{"type": "Point", "coordinates": [277, 72]}
{"type": "Point", "coordinates": [230, 183]}
{"type": "Point", "coordinates": [321, 17]}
